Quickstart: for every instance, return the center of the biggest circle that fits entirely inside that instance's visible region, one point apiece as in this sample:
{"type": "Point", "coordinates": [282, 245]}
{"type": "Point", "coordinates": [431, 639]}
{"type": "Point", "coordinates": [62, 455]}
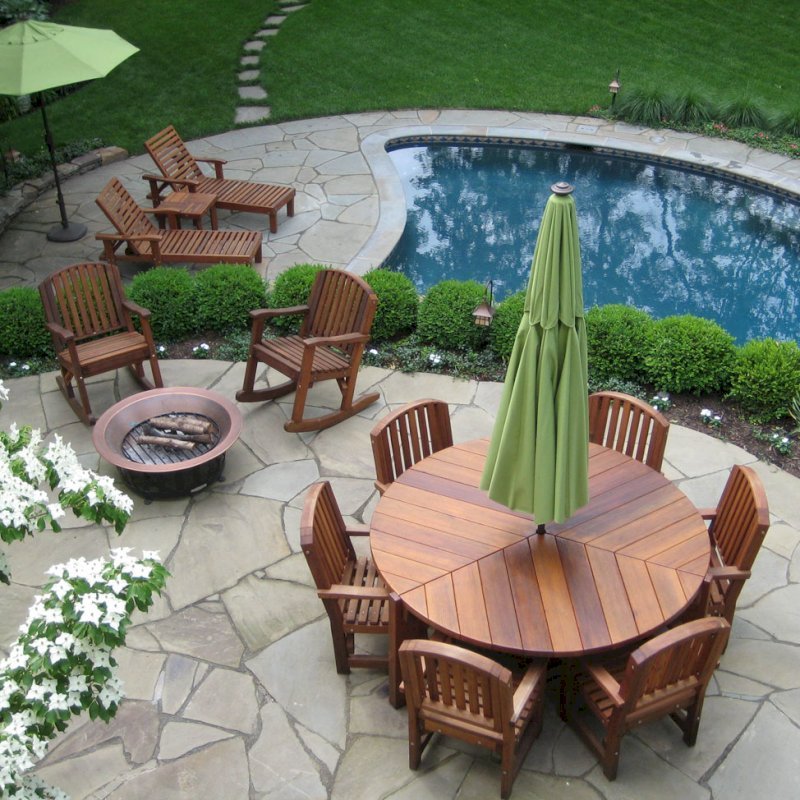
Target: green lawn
{"type": "Point", "coordinates": [339, 56]}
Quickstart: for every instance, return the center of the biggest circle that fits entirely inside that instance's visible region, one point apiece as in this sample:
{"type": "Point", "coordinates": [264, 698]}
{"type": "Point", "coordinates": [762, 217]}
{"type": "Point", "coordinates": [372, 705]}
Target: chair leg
{"type": "Point", "coordinates": [82, 408]}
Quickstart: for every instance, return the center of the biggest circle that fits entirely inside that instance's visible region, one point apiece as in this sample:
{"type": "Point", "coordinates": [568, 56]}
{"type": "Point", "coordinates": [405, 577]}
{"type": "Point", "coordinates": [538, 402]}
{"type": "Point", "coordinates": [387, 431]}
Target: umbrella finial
{"type": "Point", "coordinates": [562, 187]}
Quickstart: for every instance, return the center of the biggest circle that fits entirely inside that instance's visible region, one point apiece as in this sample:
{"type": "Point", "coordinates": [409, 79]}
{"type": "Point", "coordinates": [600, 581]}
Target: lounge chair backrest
{"type": "Point", "coordinates": [126, 215]}
{"type": "Point", "coordinates": [171, 155]}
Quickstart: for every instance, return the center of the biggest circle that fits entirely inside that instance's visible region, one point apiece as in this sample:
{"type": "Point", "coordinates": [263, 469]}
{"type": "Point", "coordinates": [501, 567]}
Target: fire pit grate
{"type": "Point", "coordinates": [176, 445]}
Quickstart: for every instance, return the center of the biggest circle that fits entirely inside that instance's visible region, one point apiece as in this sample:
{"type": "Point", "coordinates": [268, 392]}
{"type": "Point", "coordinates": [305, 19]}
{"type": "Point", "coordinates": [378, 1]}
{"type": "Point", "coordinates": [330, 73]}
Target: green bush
{"type": "Point", "coordinates": [22, 330]}
{"type": "Point", "coordinates": [788, 123]}
{"type": "Point", "coordinates": [765, 378]}
{"type": "Point", "coordinates": [168, 293]}
{"type": "Point", "coordinates": [617, 337]}
{"type": "Point", "coordinates": [688, 354]}
{"type": "Point", "coordinates": [744, 112]}
{"type": "Point", "coordinates": [692, 108]}
{"type": "Point", "coordinates": [292, 288]}
{"type": "Point", "coordinates": [445, 315]}
{"type": "Point", "coordinates": [647, 106]}
{"type": "Point", "coordinates": [505, 325]}
{"type": "Point", "coordinates": [398, 302]}
{"type": "Point", "coordinates": [224, 296]}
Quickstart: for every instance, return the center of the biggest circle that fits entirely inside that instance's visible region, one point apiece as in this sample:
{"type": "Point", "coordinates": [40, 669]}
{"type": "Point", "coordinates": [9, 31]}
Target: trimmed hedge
{"type": "Point", "coordinates": [688, 354]}
{"type": "Point", "coordinates": [765, 378]}
{"type": "Point", "coordinates": [292, 288]}
{"type": "Point", "coordinates": [398, 303]}
{"type": "Point", "coordinates": [224, 296]}
{"type": "Point", "coordinates": [22, 330]}
{"type": "Point", "coordinates": [617, 338]}
{"type": "Point", "coordinates": [168, 294]}
{"type": "Point", "coordinates": [445, 315]}
{"type": "Point", "coordinates": [505, 324]}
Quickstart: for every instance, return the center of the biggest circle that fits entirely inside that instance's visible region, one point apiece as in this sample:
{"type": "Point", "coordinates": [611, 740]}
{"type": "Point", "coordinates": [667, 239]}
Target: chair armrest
{"type": "Point", "coordinates": [727, 574]}
{"type": "Point", "coordinates": [259, 316]}
{"type": "Point", "coordinates": [135, 308]}
{"type": "Point", "coordinates": [159, 182]}
{"type": "Point", "coordinates": [60, 331]}
{"type": "Point", "coordinates": [342, 592]}
{"type": "Point", "coordinates": [217, 163]}
{"type": "Point", "coordinates": [528, 687]}
{"type": "Point", "coordinates": [708, 513]}
{"type": "Point", "coordinates": [341, 339]}
{"type": "Point", "coordinates": [357, 530]}
{"type": "Point", "coordinates": [606, 681]}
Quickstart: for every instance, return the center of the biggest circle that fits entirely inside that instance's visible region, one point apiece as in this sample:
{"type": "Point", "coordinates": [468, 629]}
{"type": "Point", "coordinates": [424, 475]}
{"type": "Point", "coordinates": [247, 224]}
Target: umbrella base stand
{"type": "Point", "coordinates": [69, 233]}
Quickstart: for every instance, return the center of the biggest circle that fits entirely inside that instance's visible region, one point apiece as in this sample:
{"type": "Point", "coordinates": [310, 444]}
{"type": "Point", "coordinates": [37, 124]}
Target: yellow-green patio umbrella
{"type": "Point", "coordinates": [538, 456]}
{"type": "Point", "coordinates": [35, 56]}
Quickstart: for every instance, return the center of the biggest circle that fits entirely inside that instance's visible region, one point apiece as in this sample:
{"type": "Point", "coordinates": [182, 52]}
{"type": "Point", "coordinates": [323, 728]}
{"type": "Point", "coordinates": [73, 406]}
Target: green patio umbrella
{"type": "Point", "coordinates": [538, 456]}
{"type": "Point", "coordinates": [35, 56]}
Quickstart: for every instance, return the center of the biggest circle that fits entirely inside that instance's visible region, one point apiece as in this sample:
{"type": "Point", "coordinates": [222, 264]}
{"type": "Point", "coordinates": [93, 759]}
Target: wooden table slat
{"type": "Point", "coordinates": [441, 602]}
{"type": "Point", "coordinates": [619, 619]}
{"type": "Point", "coordinates": [641, 593]}
{"type": "Point", "coordinates": [668, 588]}
{"type": "Point", "coordinates": [499, 600]}
{"type": "Point", "coordinates": [527, 598]}
{"type": "Point", "coordinates": [472, 617]}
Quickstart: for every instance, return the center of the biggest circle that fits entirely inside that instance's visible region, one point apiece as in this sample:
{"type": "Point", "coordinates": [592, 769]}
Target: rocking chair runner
{"type": "Point", "coordinates": [89, 318]}
{"type": "Point", "coordinates": [336, 325]}
{"type": "Point", "coordinates": [181, 171]}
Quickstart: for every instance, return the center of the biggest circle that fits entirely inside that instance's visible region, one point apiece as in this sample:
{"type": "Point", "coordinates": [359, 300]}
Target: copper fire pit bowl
{"type": "Point", "coordinates": [167, 473]}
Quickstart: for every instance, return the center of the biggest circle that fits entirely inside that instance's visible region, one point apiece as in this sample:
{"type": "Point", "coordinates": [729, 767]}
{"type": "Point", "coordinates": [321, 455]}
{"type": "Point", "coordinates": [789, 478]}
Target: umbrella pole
{"type": "Point", "coordinates": [66, 231]}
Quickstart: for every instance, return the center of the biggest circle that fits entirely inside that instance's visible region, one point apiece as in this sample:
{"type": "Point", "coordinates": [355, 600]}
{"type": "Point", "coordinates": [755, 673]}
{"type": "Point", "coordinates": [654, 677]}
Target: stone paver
{"type": "Point", "coordinates": [232, 688]}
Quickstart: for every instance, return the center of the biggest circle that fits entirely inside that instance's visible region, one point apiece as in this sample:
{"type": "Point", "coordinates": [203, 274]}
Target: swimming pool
{"type": "Point", "coordinates": [658, 237]}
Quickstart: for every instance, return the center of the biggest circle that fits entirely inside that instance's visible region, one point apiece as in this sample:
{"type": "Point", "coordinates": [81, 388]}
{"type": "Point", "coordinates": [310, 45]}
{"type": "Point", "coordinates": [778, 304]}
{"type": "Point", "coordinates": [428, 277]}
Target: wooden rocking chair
{"type": "Point", "coordinates": [89, 318]}
{"type": "Point", "coordinates": [336, 325]}
{"type": "Point", "coordinates": [181, 171]}
{"type": "Point", "coordinates": [145, 242]}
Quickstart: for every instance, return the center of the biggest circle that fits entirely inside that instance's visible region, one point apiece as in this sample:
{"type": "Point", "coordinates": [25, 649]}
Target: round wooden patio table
{"type": "Point", "coordinates": [622, 566]}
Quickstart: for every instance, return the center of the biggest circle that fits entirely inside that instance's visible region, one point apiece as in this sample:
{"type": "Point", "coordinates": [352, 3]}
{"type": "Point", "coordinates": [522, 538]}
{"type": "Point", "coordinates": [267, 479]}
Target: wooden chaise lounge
{"type": "Point", "coordinates": [181, 170]}
{"type": "Point", "coordinates": [145, 242]}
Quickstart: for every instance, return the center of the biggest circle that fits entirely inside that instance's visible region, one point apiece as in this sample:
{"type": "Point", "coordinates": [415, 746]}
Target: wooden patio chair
{"type": "Point", "coordinates": [738, 526]}
{"type": "Point", "coordinates": [667, 675]}
{"type": "Point", "coordinates": [145, 242]}
{"type": "Point", "coordinates": [89, 319]}
{"type": "Point", "coordinates": [354, 595]}
{"type": "Point", "coordinates": [408, 435]}
{"type": "Point", "coordinates": [336, 325]}
{"type": "Point", "coordinates": [460, 693]}
{"type": "Point", "coordinates": [181, 170]}
{"type": "Point", "coordinates": [628, 425]}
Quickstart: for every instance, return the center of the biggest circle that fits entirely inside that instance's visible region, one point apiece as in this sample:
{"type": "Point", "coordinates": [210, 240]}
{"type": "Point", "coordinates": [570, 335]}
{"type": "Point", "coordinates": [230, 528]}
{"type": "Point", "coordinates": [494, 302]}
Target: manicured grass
{"type": "Point", "coordinates": [184, 74]}
{"type": "Point", "coordinates": [338, 56]}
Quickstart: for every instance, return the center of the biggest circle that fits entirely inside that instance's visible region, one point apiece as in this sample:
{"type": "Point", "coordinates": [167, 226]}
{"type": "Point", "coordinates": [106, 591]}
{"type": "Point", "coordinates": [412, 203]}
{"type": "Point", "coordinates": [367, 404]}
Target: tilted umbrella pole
{"type": "Point", "coordinates": [67, 231]}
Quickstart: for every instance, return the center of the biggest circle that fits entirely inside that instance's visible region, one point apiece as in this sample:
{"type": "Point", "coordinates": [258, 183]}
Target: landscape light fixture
{"type": "Point", "coordinates": [613, 88]}
{"type": "Point", "coordinates": [484, 312]}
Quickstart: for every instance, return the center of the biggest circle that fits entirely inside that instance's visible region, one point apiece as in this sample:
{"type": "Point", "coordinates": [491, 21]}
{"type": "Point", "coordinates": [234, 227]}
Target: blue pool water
{"type": "Point", "coordinates": [660, 238]}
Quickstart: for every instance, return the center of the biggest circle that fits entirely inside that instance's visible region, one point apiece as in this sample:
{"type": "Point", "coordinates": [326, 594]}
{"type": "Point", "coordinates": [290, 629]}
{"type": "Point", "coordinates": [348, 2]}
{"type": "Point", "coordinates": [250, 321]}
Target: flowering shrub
{"type": "Point", "coordinates": [202, 350]}
{"type": "Point", "coordinates": [61, 664]}
{"type": "Point", "coordinates": [708, 417]}
{"type": "Point", "coordinates": [661, 402]}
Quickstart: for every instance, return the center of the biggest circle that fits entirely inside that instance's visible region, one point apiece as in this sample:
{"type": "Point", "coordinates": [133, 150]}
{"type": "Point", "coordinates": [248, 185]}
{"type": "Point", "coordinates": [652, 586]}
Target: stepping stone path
{"type": "Point", "coordinates": [257, 110]}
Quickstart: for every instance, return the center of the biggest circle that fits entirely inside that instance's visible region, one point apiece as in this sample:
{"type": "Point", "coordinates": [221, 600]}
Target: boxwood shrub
{"type": "Point", "coordinates": [445, 315]}
{"type": "Point", "coordinates": [688, 354]}
{"type": "Point", "coordinates": [505, 324]}
{"type": "Point", "coordinates": [224, 296]}
{"type": "Point", "coordinates": [22, 330]}
{"type": "Point", "coordinates": [765, 378]}
{"type": "Point", "coordinates": [617, 337]}
{"type": "Point", "coordinates": [398, 302]}
{"type": "Point", "coordinates": [292, 288]}
{"type": "Point", "coordinates": [168, 293]}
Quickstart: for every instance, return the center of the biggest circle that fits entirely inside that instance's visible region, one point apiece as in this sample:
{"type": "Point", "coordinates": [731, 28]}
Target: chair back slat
{"type": "Point", "coordinates": [172, 156]}
{"type": "Point", "coordinates": [465, 688]}
{"type": "Point", "coordinates": [323, 538]}
{"type": "Point", "coordinates": [628, 425]}
{"type": "Point", "coordinates": [673, 666]}
{"type": "Point", "coordinates": [407, 435]}
{"type": "Point", "coordinates": [125, 215]}
{"type": "Point", "coordinates": [340, 302]}
{"type": "Point", "coordinates": [742, 518]}
{"type": "Point", "coordinates": [85, 299]}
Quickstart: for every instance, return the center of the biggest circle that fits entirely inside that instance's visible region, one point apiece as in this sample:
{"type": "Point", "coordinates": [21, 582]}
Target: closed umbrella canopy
{"type": "Point", "coordinates": [35, 56]}
{"type": "Point", "coordinates": [538, 456]}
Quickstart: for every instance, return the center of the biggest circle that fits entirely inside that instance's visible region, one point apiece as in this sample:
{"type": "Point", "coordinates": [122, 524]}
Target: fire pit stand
{"type": "Point", "coordinates": [168, 442]}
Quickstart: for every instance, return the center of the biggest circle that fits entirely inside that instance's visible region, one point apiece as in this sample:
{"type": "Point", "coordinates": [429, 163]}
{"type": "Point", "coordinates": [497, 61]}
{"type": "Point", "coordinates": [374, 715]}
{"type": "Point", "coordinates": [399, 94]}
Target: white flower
{"type": "Point", "coordinates": [373, 351]}
{"type": "Point", "coordinates": [3, 391]}
{"type": "Point", "coordinates": [706, 412]}
{"type": "Point", "coordinates": [26, 367]}
{"type": "Point", "coordinates": [435, 358]}
{"type": "Point", "coordinates": [151, 555]}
